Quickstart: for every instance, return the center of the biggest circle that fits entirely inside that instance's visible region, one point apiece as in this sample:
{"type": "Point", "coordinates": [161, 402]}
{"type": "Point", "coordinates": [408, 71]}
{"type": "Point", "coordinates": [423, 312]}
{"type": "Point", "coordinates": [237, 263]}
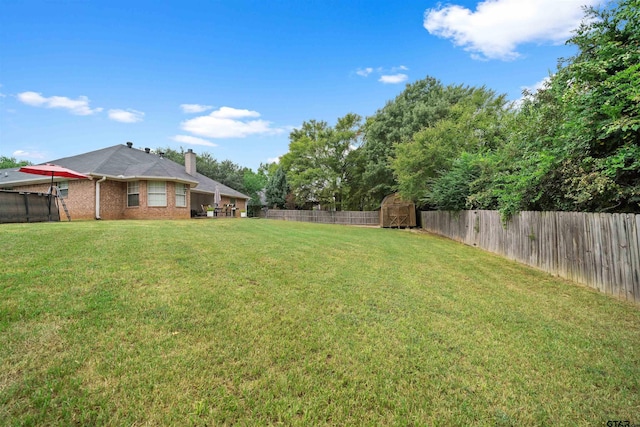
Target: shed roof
{"type": "Point", "coordinates": [395, 199]}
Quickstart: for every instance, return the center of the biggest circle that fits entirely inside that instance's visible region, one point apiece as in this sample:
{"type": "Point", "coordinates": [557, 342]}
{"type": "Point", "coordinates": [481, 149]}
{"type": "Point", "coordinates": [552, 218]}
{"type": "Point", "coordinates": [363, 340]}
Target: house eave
{"type": "Point", "coordinates": [122, 178]}
{"type": "Point", "coordinates": [36, 180]}
{"type": "Point", "coordinates": [221, 193]}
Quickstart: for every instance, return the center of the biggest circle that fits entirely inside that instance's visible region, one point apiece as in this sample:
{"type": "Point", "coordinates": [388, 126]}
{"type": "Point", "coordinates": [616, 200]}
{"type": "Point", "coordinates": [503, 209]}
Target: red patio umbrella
{"type": "Point", "coordinates": [49, 169]}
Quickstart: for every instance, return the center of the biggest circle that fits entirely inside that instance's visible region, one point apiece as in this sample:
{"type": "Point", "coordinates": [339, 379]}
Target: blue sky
{"type": "Point", "coordinates": [232, 78]}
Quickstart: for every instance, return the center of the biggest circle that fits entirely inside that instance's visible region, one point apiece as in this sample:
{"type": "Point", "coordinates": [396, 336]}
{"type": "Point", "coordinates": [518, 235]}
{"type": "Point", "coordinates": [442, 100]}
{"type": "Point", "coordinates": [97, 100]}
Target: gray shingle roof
{"type": "Point", "coordinates": [208, 185]}
{"type": "Point", "coordinates": [126, 163]}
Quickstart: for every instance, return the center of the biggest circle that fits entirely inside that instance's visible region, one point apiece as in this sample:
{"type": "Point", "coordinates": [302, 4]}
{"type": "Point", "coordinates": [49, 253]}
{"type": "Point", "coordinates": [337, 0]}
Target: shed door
{"type": "Point", "coordinates": [398, 216]}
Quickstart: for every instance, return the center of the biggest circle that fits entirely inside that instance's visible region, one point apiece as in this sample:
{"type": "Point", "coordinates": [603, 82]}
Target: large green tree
{"type": "Point", "coordinates": [355, 193]}
{"type": "Point", "coordinates": [472, 123]}
{"type": "Point", "coordinates": [421, 105]}
{"type": "Point", "coordinates": [254, 183]}
{"type": "Point", "coordinates": [575, 144]}
{"type": "Point", "coordinates": [277, 189]}
{"type": "Point", "coordinates": [602, 96]}
{"type": "Point", "coordinates": [11, 162]}
{"type": "Point", "coordinates": [317, 162]}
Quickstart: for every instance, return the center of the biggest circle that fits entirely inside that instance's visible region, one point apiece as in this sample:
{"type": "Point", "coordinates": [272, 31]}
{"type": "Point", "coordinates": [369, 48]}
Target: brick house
{"type": "Point", "coordinates": [129, 183]}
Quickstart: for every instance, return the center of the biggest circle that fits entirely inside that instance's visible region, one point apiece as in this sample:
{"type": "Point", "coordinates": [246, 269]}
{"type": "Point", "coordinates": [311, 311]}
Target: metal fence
{"type": "Point", "coordinates": [371, 218]}
{"type": "Point", "coordinates": [596, 249]}
{"type": "Point", "coordinates": [16, 206]}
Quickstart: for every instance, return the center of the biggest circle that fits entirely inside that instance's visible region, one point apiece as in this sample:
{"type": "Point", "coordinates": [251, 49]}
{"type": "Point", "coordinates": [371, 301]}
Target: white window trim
{"type": "Point", "coordinates": [182, 195]}
{"type": "Point", "coordinates": [132, 193]}
{"type": "Point", "coordinates": [160, 194]}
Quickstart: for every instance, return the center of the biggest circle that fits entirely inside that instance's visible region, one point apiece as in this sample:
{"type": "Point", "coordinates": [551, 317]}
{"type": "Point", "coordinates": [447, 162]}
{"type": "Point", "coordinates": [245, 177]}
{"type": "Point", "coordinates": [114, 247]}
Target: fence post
{"type": "Point", "coordinates": [26, 205]}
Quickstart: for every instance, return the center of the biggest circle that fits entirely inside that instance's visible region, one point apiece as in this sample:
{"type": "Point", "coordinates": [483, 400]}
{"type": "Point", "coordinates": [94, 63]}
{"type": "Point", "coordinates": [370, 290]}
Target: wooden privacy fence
{"type": "Point", "coordinates": [596, 249]}
{"type": "Point", "coordinates": [327, 217]}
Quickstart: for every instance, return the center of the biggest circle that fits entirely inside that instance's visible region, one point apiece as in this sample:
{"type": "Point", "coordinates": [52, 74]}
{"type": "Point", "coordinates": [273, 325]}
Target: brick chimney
{"type": "Point", "coordinates": [190, 162]}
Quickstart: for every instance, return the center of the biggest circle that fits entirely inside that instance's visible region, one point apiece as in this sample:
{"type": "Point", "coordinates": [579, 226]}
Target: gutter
{"type": "Point", "coordinates": [122, 178]}
{"type": "Point", "coordinates": [103, 179]}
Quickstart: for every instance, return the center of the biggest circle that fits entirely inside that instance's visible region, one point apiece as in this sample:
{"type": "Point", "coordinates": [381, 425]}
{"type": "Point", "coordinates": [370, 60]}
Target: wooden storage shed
{"type": "Point", "coordinates": [395, 212]}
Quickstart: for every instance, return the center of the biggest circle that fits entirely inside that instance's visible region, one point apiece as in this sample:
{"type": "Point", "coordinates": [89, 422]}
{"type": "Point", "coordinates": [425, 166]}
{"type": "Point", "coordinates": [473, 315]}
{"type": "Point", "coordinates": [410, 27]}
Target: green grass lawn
{"type": "Point", "coordinates": [257, 322]}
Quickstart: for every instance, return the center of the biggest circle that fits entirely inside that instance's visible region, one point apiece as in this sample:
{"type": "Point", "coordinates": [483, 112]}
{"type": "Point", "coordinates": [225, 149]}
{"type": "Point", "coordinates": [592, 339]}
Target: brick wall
{"type": "Point", "coordinates": [171, 211]}
{"type": "Point", "coordinates": [241, 204]}
{"type": "Point", "coordinates": [81, 200]}
{"type": "Point", "coordinates": [113, 201]}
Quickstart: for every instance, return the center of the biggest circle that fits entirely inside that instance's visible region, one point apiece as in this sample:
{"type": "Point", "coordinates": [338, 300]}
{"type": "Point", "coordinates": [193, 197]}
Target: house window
{"type": "Point", "coordinates": [133, 194]}
{"type": "Point", "coordinates": [63, 189]}
{"type": "Point", "coordinates": [157, 193]}
{"type": "Point", "coordinates": [232, 201]}
{"type": "Point", "coordinates": [181, 195]}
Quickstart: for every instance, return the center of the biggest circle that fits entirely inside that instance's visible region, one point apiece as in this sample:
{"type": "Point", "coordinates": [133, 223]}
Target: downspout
{"type": "Point", "coordinates": [103, 179]}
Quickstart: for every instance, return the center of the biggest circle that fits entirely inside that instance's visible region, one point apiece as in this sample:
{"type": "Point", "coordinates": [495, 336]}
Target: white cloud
{"type": "Point", "coordinates": [536, 86]}
{"type": "Point", "coordinates": [364, 72]}
{"type": "Point", "coordinates": [227, 122]}
{"type": "Point", "coordinates": [497, 27]}
{"type": "Point", "coordinates": [195, 108]}
{"type": "Point", "coordinates": [273, 159]}
{"type": "Point", "coordinates": [192, 140]}
{"type": "Point", "coordinates": [387, 75]}
{"type": "Point", "coordinates": [528, 91]}
{"type": "Point", "coordinates": [233, 113]}
{"type": "Point", "coordinates": [126, 116]}
{"type": "Point", "coordinates": [393, 79]}
{"type": "Point", "coordinates": [21, 154]}
{"type": "Point", "coordinates": [78, 106]}
{"type": "Point", "coordinates": [400, 68]}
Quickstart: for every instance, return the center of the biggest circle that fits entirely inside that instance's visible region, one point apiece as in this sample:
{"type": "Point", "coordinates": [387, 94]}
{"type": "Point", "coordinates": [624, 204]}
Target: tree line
{"type": "Point", "coordinates": [573, 145]}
